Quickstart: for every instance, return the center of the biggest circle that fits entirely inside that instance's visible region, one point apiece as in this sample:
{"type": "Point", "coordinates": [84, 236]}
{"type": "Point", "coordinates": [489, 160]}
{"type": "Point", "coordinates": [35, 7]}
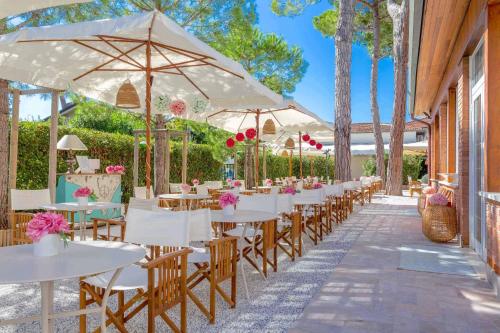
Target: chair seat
{"type": "Point", "coordinates": [199, 255]}
{"type": "Point", "coordinates": [132, 277]}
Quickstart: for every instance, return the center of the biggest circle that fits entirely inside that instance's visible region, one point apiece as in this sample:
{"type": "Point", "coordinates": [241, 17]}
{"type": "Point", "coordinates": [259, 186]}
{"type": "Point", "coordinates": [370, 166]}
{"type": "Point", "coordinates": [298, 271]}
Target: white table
{"type": "Point", "coordinates": [247, 217]}
{"type": "Point", "coordinates": [83, 211]}
{"type": "Point", "coordinates": [77, 260]}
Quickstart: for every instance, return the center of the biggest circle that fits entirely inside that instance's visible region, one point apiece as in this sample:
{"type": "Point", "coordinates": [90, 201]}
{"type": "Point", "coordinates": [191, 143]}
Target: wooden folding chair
{"type": "Point", "coordinates": [291, 234]}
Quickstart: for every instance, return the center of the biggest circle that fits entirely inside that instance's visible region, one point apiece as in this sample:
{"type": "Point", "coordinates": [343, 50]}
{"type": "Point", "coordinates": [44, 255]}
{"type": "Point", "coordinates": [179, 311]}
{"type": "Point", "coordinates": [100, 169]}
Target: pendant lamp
{"type": "Point", "coordinates": [127, 97]}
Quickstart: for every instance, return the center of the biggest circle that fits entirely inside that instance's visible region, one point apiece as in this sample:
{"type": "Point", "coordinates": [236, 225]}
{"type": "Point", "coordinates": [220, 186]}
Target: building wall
{"type": "Point", "coordinates": [493, 232]}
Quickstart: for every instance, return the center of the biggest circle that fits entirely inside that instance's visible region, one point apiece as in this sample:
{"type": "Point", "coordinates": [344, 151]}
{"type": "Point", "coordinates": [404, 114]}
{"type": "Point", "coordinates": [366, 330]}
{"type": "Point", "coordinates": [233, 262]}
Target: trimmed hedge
{"type": "Point", "coordinates": [413, 166]}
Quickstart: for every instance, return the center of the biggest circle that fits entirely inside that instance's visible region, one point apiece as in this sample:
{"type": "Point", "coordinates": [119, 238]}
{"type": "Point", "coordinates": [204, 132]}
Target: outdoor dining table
{"type": "Point", "coordinates": [78, 259]}
{"type": "Point", "coordinates": [268, 223]}
{"type": "Point", "coordinates": [84, 210]}
{"type": "Point", "coordinates": [302, 205]}
{"type": "Point", "coordinates": [187, 201]}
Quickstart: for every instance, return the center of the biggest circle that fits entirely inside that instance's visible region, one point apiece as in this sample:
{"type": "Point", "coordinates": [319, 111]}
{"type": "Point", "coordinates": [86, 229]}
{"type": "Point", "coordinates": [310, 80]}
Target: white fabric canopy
{"type": "Point", "coordinates": [95, 58]}
{"type": "Point", "coordinates": [16, 7]}
{"type": "Point", "coordinates": [359, 150]}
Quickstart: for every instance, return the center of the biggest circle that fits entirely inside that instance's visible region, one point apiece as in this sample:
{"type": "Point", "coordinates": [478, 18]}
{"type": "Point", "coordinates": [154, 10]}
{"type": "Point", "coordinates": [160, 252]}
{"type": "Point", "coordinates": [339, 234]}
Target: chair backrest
{"type": "Point", "coordinates": [275, 190]}
{"type": "Point", "coordinates": [285, 203]}
{"type": "Point", "coordinates": [315, 195]}
{"type": "Point", "coordinates": [259, 202]}
{"type": "Point", "coordinates": [334, 190]}
{"type": "Point", "coordinates": [140, 192]}
{"type": "Point", "coordinates": [29, 199]}
{"type": "Point", "coordinates": [202, 189]}
{"type": "Point", "coordinates": [157, 228]}
{"type": "Point", "coordinates": [300, 185]}
{"type": "Point", "coordinates": [175, 188]}
{"type": "Point", "coordinates": [365, 181]}
{"type": "Point", "coordinates": [213, 184]}
{"type": "Point", "coordinates": [144, 204]}
{"type": "Point", "coordinates": [200, 225]}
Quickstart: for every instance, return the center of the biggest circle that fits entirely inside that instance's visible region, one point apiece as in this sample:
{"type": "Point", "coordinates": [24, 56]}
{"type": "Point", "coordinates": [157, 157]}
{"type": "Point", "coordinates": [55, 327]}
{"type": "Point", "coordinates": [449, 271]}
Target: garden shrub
{"type": "Point", "coordinates": [412, 166]}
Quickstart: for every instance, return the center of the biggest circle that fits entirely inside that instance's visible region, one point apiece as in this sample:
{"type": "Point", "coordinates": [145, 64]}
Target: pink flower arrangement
{"type": "Point", "coordinates": [317, 186]}
{"type": "Point", "coordinates": [227, 199]}
{"type": "Point", "coordinates": [185, 188]}
{"type": "Point", "coordinates": [195, 182]}
{"type": "Point", "coordinates": [229, 181]}
{"type": "Point", "coordinates": [269, 182]}
{"type": "Point", "coordinates": [177, 107]}
{"type": "Point", "coordinates": [429, 190]}
{"type": "Point", "coordinates": [115, 169]}
{"type": "Point", "coordinates": [82, 192]}
{"type": "Point", "coordinates": [46, 224]}
{"type": "Point", "coordinates": [236, 183]}
{"type": "Point", "coordinates": [289, 190]}
{"type": "Point", "coordinates": [438, 199]}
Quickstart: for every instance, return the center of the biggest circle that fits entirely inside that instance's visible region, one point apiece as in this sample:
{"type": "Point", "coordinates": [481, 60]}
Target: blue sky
{"type": "Point", "coordinates": [316, 90]}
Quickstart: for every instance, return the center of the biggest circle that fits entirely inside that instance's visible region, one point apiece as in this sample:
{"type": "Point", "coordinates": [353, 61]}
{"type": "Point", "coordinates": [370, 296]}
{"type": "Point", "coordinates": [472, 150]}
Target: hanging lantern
{"type": "Point", "coordinates": [306, 137]}
{"type": "Point", "coordinates": [284, 153]}
{"type": "Point", "coordinates": [250, 133]}
{"type": "Point", "coordinates": [319, 146]}
{"type": "Point", "coordinates": [289, 143]}
{"type": "Point", "coordinates": [127, 97]}
{"type": "Point", "coordinates": [312, 142]}
{"type": "Point", "coordinates": [240, 137]}
{"type": "Point", "coordinates": [230, 143]}
{"type": "Point", "coordinates": [269, 127]}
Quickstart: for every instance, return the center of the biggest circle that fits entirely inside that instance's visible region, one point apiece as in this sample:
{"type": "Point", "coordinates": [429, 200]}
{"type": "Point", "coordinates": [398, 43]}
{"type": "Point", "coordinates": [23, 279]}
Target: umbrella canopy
{"type": "Point", "coordinates": [163, 61]}
{"type": "Point", "coordinates": [12, 7]}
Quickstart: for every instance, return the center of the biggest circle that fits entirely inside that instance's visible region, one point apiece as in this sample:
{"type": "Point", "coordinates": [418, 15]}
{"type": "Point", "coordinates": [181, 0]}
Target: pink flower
{"type": "Point", "coordinates": [289, 190]}
{"type": "Point", "coordinates": [429, 190]}
{"type": "Point", "coordinates": [177, 107]}
{"type": "Point", "coordinates": [82, 192]}
{"type": "Point", "coordinates": [269, 182]}
{"type": "Point", "coordinates": [438, 199]}
{"type": "Point", "coordinates": [236, 183]}
{"type": "Point", "coordinates": [195, 182]}
{"type": "Point", "coordinates": [112, 169]}
{"type": "Point", "coordinates": [46, 224]}
{"type": "Point", "coordinates": [185, 188]}
{"type": "Point", "coordinates": [227, 199]}
{"type": "Point", "coordinates": [229, 180]}
{"type": "Point", "coordinates": [317, 186]}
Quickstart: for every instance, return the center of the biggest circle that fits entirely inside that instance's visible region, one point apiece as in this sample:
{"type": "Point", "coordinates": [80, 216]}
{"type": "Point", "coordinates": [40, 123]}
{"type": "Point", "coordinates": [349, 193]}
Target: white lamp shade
{"type": "Point", "coordinates": [71, 142]}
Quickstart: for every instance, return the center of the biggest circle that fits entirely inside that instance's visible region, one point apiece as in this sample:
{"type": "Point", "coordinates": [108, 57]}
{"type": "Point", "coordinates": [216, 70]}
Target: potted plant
{"type": "Point", "coordinates": [289, 190]}
{"type": "Point", "coordinates": [227, 201]}
{"type": "Point", "coordinates": [236, 184]}
{"type": "Point", "coordinates": [317, 186]}
{"type": "Point", "coordinates": [185, 188]}
{"type": "Point", "coordinates": [269, 182]}
{"type": "Point", "coordinates": [83, 194]}
{"type": "Point", "coordinates": [46, 231]}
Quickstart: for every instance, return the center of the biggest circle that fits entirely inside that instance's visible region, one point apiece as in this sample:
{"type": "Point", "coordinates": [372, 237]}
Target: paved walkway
{"type": "Point", "coordinates": [367, 293]}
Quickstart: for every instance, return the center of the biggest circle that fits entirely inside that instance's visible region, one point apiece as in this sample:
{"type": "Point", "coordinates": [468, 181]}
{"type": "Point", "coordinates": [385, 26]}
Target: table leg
{"type": "Point", "coordinates": [47, 288]}
{"type": "Point", "coordinates": [264, 249]}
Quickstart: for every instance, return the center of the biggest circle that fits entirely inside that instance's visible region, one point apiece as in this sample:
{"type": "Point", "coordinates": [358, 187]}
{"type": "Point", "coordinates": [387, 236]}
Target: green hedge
{"type": "Point", "coordinates": [33, 164]}
{"type": "Point", "coordinates": [412, 166]}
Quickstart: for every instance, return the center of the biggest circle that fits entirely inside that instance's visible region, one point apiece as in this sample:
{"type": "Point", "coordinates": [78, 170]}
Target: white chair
{"type": "Point", "coordinates": [213, 184]}
{"type": "Point", "coordinates": [202, 189]}
{"type": "Point", "coordinates": [274, 190]}
{"type": "Point", "coordinates": [300, 185]}
{"type": "Point", "coordinates": [175, 188]}
{"type": "Point", "coordinates": [140, 192]}
{"type": "Point", "coordinates": [156, 229]}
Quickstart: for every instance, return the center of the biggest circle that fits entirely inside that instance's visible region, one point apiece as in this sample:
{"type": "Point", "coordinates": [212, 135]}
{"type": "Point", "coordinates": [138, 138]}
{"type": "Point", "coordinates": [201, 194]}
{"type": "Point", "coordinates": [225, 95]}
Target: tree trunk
{"type": "Point", "coordinates": [399, 15]}
{"type": "Point", "coordinates": [4, 153]}
{"type": "Point", "coordinates": [160, 146]}
{"type": "Point", "coordinates": [343, 52]}
{"type": "Point", "coordinates": [377, 131]}
{"type": "Point", "coordinates": [249, 167]}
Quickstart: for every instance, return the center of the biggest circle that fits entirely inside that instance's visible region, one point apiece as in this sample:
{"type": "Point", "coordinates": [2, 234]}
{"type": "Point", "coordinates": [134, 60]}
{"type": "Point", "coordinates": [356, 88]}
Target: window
{"type": "Point", "coordinates": [477, 70]}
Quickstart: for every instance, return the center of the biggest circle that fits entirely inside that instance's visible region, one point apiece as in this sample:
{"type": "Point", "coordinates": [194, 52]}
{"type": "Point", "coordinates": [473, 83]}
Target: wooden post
{"type": "Point", "coordinates": [235, 164]}
{"type": "Point", "coordinates": [184, 156]}
{"type": "Point", "coordinates": [257, 118]}
{"type": "Point", "coordinates": [167, 162]}
{"type": "Point", "coordinates": [53, 145]}
{"type": "Point", "coordinates": [300, 153]}
{"type": "Point", "coordinates": [136, 160]}
{"type": "Point", "coordinates": [148, 118]}
{"type": "Point", "coordinates": [264, 163]}
{"type": "Point", "coordinates": [14, 140]}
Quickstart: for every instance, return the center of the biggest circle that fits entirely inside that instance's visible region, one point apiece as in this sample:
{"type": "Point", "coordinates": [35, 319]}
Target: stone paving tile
{"type": "Point", "coordinates": [367, 293]}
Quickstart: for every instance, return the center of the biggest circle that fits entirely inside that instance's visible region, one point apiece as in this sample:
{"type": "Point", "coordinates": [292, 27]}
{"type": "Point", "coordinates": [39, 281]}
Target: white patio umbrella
{"type": "Point", "coordinates": [163, 62]}
{"type": "Point", "coordinates": [16, 7]}
{"type": "Point", "coordinates": [288, 117]}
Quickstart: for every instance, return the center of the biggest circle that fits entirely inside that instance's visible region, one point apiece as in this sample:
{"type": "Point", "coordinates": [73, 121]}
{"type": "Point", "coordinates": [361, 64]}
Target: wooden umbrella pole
{"type": "Point", "coordinates": [300, 153]}
{"type": "Point", "coordinates": [148, 119]}
{"type": "Point", "coordinates": [264, 163]}
{"type": "Point", "coordinates": [257, 118]}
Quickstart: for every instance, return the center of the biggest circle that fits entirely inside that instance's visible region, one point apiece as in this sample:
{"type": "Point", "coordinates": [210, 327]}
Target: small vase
{"type": "Point", "coordinates": [47, 246]}
{"type": "Point", "coordinates": [83, 201]}
{"type": "Point", "coordinates": [228, 210]}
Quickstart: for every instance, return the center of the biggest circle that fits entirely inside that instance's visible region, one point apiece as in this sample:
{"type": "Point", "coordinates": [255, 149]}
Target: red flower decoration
{"type": "Point", "coordinates": [312, 142]}
{"type": "Point", "coordinates": [319, 146]}
{"type": "Point", "coordinates": [230, 143]}
{"type": "Point", "coordinates": [306, 137]}
{"type": "Point", "coordinates": [240, 137]}
{"type": "Point", "coordinates": [250, 133]}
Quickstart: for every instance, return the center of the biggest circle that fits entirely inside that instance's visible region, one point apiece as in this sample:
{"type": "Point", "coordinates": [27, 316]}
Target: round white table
{"type": "Point", "coordinates": [83, 211]}
{"type": "Point", "coordinates": [247, 217]}
{"type": "Point", "coordinates": [77, 260]}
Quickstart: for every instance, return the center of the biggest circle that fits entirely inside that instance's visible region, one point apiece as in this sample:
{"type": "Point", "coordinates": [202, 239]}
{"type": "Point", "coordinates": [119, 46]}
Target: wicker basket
{"type": "Point", "coordinates": [439, 223]}
{"type": "Point", "coordinates": [269, 127]}
{"type": "Point", "coordinates": [421, 204]}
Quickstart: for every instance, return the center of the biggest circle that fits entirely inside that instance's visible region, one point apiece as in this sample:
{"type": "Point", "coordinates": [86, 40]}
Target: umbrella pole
{"type": "Point", "coordinates": [148, 120]}
{"type": "Point", "coordinates": [257, 116]}
{"type": "Point", "coordinates": [300, 153]}
{"type": "Point", "coordinates": [290, 163]}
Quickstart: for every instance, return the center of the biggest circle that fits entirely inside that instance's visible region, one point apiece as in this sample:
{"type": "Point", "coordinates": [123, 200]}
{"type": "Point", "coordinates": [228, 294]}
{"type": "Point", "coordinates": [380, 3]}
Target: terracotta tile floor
{"type": "Point", "coordinates": [367, 293]}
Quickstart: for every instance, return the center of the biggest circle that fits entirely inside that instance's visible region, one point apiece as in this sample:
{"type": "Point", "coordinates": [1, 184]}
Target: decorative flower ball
{"type": "Point", "coordinates": [199, 105]}
{"type": "Point", "coordinates": [312, 142]}
{"type": "Point", "coordinates": [162, 103]}
{"type": "Point", "coordinates": [250, 133]}
{"type": "Point", "coordinates": [306, 137]}
{"type": "Point", "coordinates": [438, 199]}
{"type": "Point", "coordinates": [230, 143]}
{"type": "Point", "coordinates": [177, 107]}
{"type": "Point", "coordinates": [319, 146]}
{"type": "Point", "coordinates": [240, 137]}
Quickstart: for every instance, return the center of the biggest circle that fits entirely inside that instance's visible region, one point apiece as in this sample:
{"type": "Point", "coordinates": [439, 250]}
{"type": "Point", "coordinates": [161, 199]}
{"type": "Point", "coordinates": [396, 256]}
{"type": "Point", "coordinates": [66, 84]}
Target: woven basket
{"type": "Point", "coordinates": [284, 153]}
{"type": "Point", "coordinates": [289, 143]}
{"type": "Point", "coordinates": [269, 127]}
{"type": "Point", "coordinates": [439, 223]}
{"type": "Point", "coordinates": [127, 97]}
{"type": "Point", "coordinates": [421, 204]}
